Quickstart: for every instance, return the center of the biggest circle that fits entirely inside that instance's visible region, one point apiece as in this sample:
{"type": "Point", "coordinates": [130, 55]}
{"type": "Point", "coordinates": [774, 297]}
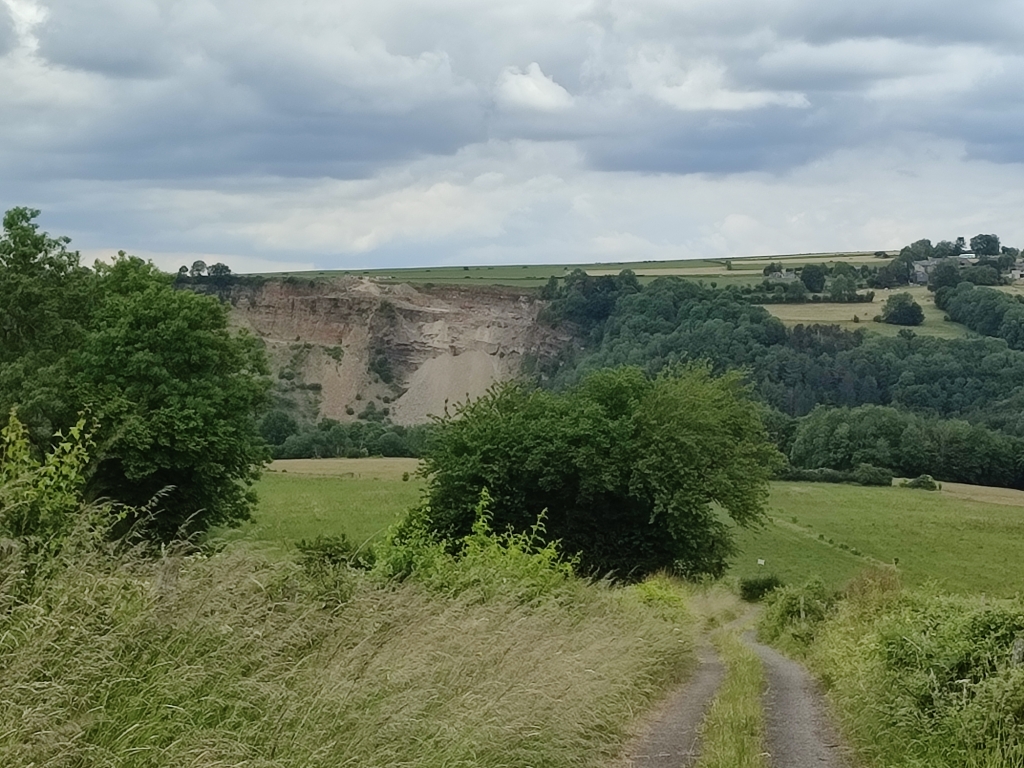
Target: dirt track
{"type": "Point", "coordinates": [671, 741]}
{"type": "Point", "coordinates": [799, 733]}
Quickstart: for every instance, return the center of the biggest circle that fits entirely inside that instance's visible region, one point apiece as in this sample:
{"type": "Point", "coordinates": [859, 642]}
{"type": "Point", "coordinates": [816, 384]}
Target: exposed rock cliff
{"type": "Point", "coordinates": [339, 345]}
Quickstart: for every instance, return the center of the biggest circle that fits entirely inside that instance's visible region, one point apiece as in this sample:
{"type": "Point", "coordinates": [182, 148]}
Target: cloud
{"type": "Point", "coordinates": [701, 86]}
{"type": "Point", "coordinates": [363, 132]}
{"type": "Point", "coordinates": [531, 89]}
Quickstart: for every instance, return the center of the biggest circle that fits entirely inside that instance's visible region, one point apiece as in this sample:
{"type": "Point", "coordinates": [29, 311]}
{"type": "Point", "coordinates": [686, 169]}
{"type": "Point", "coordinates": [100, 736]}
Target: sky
{"type": "Point", "coordinates": [317, 134]}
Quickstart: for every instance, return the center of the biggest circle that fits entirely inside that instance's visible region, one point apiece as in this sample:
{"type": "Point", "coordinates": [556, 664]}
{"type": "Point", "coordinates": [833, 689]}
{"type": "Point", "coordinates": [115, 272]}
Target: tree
{"type": "Point", "coordinates": [981, 275]}
{"type": "Point", "coordinates": [796, 292]}
{"type": "Point", "coordinates": [175, 392]}
{"type": "Point", "coordinates": [945, 273]}
{"type": "Point", "coordinates": [918, 251]}
{"type": "Point", "coordinates": [842, 289]}
{"type": "Point", "coordinates": [944, 249]}
{"type": "Point", "coordinates": [985, 245]}
{"type": "Point", "coordinates": [627, 471]}
{"type": "Point", "coordinates": [219, 270]}
{"type": "Point", "coordinates": [198, 268]}
{"type": "Point", "coordinates": [813, 277]}
{"type": "Point", "coordinates": [901, 309]}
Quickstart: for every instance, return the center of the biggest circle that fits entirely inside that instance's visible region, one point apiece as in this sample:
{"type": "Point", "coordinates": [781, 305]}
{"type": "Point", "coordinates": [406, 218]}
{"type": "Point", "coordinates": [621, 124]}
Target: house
{"type": "Point", "coordinates": [785, 276]}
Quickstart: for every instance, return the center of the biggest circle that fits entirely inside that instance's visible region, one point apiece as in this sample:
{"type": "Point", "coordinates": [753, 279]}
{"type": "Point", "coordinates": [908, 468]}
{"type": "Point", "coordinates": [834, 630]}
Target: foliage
{"type": "Point", "coordinates": [372, 436]}
{"type": "Point", "coordinates": [626, 467]}
{"type": "Point", "coordinates": [921, 482]}
{"type": "Point", "coordinates": [754, 588]}
{"type": "Point", "coordinates": [177, 394]}
{"type": "Point", "coordinates": [926, 679]}
{"type": "Point", "coordinates": [813, 277]}
{"type": "Point", "coordinates": [986, 311]}
{"type": "Point", "coordinates": [985, 245]}
{"type": "Point", "coordinates": [792, 370]}
{"type": "Point", "coordinates": [587, 301]}
{"type": "Point", "coordinates": [795, 614]}
{"type": "Point", "coordinates": [944, 274]}
{"type": "Point", "coordinates": [231, 659]}
{"type": "Point", "coordinates": [864, 474]}
{"type": "Point", "coordinates": [907, 444]}
{"type": "Point", "coordinates": [901, 309]}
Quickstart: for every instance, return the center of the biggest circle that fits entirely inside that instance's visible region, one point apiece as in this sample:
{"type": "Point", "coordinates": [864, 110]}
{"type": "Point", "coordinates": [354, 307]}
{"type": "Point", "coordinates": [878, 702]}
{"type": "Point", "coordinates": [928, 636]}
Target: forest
{"type": "Point", "coordinates": [910, 404]}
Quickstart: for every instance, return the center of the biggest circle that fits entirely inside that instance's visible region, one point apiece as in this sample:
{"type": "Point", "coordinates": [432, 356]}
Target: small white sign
{"type": "Point", "coordinates": [760, 561]}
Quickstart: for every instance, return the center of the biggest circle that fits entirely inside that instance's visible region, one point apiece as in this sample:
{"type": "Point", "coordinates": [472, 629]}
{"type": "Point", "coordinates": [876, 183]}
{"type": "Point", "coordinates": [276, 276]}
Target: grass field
{"type": "Point", "coordinates": [964, 538]}
{"type": "Point", "coordinates": [842, 315]}
{"type": "Point", "coordinates": [745, 270]}
{"type": "Point", "coordinates": [306, 498]}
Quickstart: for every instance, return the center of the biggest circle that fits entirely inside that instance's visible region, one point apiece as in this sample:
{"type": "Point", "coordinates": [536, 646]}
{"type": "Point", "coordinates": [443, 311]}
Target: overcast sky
{"type": "Point", "coordinates": [317, 133]}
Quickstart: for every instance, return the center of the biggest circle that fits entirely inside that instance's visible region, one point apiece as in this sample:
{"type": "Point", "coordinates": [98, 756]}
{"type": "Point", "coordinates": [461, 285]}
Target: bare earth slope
{"type": "Point", "coordinates": [344, 338]}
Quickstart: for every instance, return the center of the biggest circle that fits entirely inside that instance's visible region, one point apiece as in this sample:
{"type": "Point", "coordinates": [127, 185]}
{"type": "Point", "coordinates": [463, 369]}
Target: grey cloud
{"type": "Point", "coordinates": [115, 38]}
{"type": "Point", "coordinates": [7, 35]}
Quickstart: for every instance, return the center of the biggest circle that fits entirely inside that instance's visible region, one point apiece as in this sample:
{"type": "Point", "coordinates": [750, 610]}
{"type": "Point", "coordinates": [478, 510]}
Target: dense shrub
{"type": "Point", "coordinates": [754, 588]}
{"type": "Point", "coordinates": [864, 474]}
{"type": "Point", "coordinates": [921, 482]}
{"type": "Point", "coordinates": [927, 680]}
{"type": "Point", "coordinates": [795, 614]}
{"type": "Point", "coordinates": [628, 469]}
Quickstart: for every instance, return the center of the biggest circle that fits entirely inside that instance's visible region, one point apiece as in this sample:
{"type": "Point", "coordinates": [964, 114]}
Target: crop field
{"type": "Point", "coordinates": [744, 270]}
{"type": "Point", "coordinates": [842, 315]}
{"type": "Point", "coordinates": [963, 538]}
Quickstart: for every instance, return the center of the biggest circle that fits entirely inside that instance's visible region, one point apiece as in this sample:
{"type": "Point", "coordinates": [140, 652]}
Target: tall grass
{"type": "Point", "coordinates": [236, 660]}
{"type": "Point", "coordinates": [918, 679]}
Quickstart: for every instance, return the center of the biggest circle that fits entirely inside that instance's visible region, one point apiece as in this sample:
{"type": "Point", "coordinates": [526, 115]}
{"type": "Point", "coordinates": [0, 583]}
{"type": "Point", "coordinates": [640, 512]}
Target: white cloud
{"type": "Point", "coordinates": [531, 89]}
{"type": "Point", "coordinates": [700, 86]}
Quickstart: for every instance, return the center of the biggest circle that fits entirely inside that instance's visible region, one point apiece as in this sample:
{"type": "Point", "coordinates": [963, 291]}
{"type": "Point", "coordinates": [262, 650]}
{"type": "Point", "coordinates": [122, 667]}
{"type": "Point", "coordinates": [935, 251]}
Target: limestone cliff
{"type": "Point", "coordinates": [338, 345]}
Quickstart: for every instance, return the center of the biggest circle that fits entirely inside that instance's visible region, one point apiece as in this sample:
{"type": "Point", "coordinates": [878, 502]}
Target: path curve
{"type": "Point", "coordinates": [799, 733]}
{"type": "Point", "coordinates": [672, 739]}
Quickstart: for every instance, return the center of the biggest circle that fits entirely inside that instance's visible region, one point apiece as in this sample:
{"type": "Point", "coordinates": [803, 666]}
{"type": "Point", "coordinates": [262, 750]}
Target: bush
{"type": "Point", "coordinates": [921, 482]}
{"type": "Point", "coordinates": [628, 468]}
{"type": "Point", "coordinates": [866, 474]}
{"type": "Point", "coordinates": [925, 679]}
{"type": "Point", "coordinates": [793, 615]}
{"type": "Point", "coordinates": [754, 588]}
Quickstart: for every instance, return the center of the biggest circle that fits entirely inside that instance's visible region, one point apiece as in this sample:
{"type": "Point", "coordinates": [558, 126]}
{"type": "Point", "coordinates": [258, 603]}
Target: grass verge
{"type": "Point", "coordinates": [916, 678]}
{"type": "Point", "coordinates": [238, 660]}
{"type": "Point", "coordinates": [733, 732]}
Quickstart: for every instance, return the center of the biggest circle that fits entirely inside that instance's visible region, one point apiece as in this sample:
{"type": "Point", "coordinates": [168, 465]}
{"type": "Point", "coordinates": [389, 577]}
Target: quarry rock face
{"type": "Point", "coordinates": [336, 345]}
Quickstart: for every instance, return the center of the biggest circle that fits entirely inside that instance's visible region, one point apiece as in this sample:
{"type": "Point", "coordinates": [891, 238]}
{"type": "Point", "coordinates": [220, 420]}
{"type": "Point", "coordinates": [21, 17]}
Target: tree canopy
{"type": "Point", "coordinates": [176, 394]}
{"type": "Point", "coordinates": [901, 309]}
{"type": "Point", "coordinates": [625, 469]}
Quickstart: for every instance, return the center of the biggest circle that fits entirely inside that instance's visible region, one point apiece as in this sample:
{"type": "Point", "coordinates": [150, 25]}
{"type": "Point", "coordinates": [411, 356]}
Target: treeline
{"type": "Point", "coordinates": [794, 370]}
{"type": "Point", "coordinates": [330, 439]}
{"type": "Point", "coordinates": [985, 311]}
{"type": "Point", "coordinates": [967, 393]}
{"type": "Point", "coordinates": [908, 444]}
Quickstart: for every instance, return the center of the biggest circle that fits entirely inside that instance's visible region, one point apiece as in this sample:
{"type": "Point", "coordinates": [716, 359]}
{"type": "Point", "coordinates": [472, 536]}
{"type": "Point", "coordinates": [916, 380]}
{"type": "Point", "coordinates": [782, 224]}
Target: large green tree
{"type": "Point", "coordinates": [629, 472]}
{"type": "Point", "coordinates": [901, 309]}
{"type": "Point", "coordinates": [174, 391]}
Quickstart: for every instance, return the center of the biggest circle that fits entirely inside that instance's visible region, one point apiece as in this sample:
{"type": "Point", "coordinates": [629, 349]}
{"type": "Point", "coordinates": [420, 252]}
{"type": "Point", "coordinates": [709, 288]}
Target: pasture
{"type": "Point", "coordinates": [842, 315]}
{"type": "Point", "coordinates": [741, 270]}
{"type": "Point", "coordinates": [964, 539]}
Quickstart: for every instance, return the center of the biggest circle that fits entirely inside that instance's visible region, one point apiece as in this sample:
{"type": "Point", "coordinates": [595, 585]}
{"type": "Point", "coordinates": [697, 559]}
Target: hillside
{"type": "Point", "coordinates": [338, 344]}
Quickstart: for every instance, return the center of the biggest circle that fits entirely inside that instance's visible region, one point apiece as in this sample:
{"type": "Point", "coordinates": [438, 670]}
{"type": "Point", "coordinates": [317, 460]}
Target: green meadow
{"type": "Point", "coordinates": [962, 539]}
{"type": "Point", "coordinates": [744, 270]}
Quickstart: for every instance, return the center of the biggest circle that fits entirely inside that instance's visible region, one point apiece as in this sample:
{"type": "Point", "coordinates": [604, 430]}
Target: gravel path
{"type": "Point", "coordinates": [799, 734]}
{"type": "Point", "coordinates": [671, 741]}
